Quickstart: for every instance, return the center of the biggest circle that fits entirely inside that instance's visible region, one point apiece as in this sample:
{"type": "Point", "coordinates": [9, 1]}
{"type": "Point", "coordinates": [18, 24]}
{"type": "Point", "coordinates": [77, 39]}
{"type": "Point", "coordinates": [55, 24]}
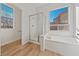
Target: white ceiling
{"type": "Point", "coordinates": [29, 5]}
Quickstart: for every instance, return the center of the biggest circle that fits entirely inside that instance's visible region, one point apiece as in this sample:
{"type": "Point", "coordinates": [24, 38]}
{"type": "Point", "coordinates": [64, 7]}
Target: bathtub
{"type": "Point", "coordinates": [61, 44]}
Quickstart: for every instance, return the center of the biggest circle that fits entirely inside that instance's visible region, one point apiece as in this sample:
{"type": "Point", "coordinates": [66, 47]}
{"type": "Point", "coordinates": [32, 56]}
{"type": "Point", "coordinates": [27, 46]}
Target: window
{"type": "Point", "coordinates": [59, 19]}
{"type": "Point", "coordinates": [6, 16]}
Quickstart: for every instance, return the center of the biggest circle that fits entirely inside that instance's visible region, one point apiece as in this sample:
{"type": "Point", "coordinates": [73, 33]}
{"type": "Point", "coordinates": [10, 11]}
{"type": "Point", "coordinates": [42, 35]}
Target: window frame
{"type": "Point", "coordinates": [59, 24]}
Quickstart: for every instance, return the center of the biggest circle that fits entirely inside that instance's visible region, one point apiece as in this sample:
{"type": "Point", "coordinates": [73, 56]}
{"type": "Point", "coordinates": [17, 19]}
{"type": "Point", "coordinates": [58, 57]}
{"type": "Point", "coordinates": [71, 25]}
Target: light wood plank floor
{"type": "Point", "coordinates": [29, 49]}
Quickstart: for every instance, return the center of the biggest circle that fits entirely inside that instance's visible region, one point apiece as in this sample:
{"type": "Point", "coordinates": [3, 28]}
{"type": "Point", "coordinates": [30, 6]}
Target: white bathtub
{"type": "Point", "coordinates": [62, 39]}
{"type": "Point", "coordinates": [63, 45]}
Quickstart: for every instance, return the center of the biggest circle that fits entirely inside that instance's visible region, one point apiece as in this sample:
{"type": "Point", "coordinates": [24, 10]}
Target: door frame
{"type": "Point", "coordinates": [38, 42]}
{"type": "Point", "coordinates": [29, 27]}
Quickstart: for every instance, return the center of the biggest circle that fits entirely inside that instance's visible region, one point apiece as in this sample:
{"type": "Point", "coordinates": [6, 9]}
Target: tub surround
{"type": "Point", "coordinates": [60, 44]}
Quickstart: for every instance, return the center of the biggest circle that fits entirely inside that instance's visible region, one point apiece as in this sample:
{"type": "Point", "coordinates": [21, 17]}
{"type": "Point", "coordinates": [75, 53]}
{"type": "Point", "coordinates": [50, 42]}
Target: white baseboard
{"type": "Point", "coordinates": [23, 43]}
{"type": "Point", "coordinates": [2, 44]}
{"type": "Point", "coordinates": [35, 42]}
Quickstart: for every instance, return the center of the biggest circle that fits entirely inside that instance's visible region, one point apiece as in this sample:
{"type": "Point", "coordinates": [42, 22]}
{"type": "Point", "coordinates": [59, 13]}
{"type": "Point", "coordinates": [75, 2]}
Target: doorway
{"type": "Point", "coordinates": [35, 27]}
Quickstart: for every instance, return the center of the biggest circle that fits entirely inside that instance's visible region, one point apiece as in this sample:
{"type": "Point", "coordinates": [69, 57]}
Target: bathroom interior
{"type": "Point", "coordinates": [46, 26]}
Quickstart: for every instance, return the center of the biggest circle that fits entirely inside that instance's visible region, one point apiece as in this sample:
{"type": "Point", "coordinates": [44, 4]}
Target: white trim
{"type": "Point", "coordinates": [23, 43]}
{"type": "Point", "coordinates": [59, 24]}
{"type": "Point", "coordinates": [9, 42]}
{"type": "Point", "coordinates": [34, 42]}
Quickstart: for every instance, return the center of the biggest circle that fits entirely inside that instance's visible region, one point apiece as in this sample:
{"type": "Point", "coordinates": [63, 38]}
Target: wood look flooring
{"type": "Point", "coordinates": [29, 49]}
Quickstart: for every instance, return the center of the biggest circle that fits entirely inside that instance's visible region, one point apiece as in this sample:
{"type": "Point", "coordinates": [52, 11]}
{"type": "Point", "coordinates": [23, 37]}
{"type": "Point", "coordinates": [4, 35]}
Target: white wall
{"type": "Point", "coordinates": [25, 27]}
{"type": "Point", "coordinates": [10, 35]}
{"type": "Point", "coordinates": [77, 22]}
{"type": "Point", "coordinates": [77, 17]}
{"type": "Point", "coordinates": [25, 23]}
